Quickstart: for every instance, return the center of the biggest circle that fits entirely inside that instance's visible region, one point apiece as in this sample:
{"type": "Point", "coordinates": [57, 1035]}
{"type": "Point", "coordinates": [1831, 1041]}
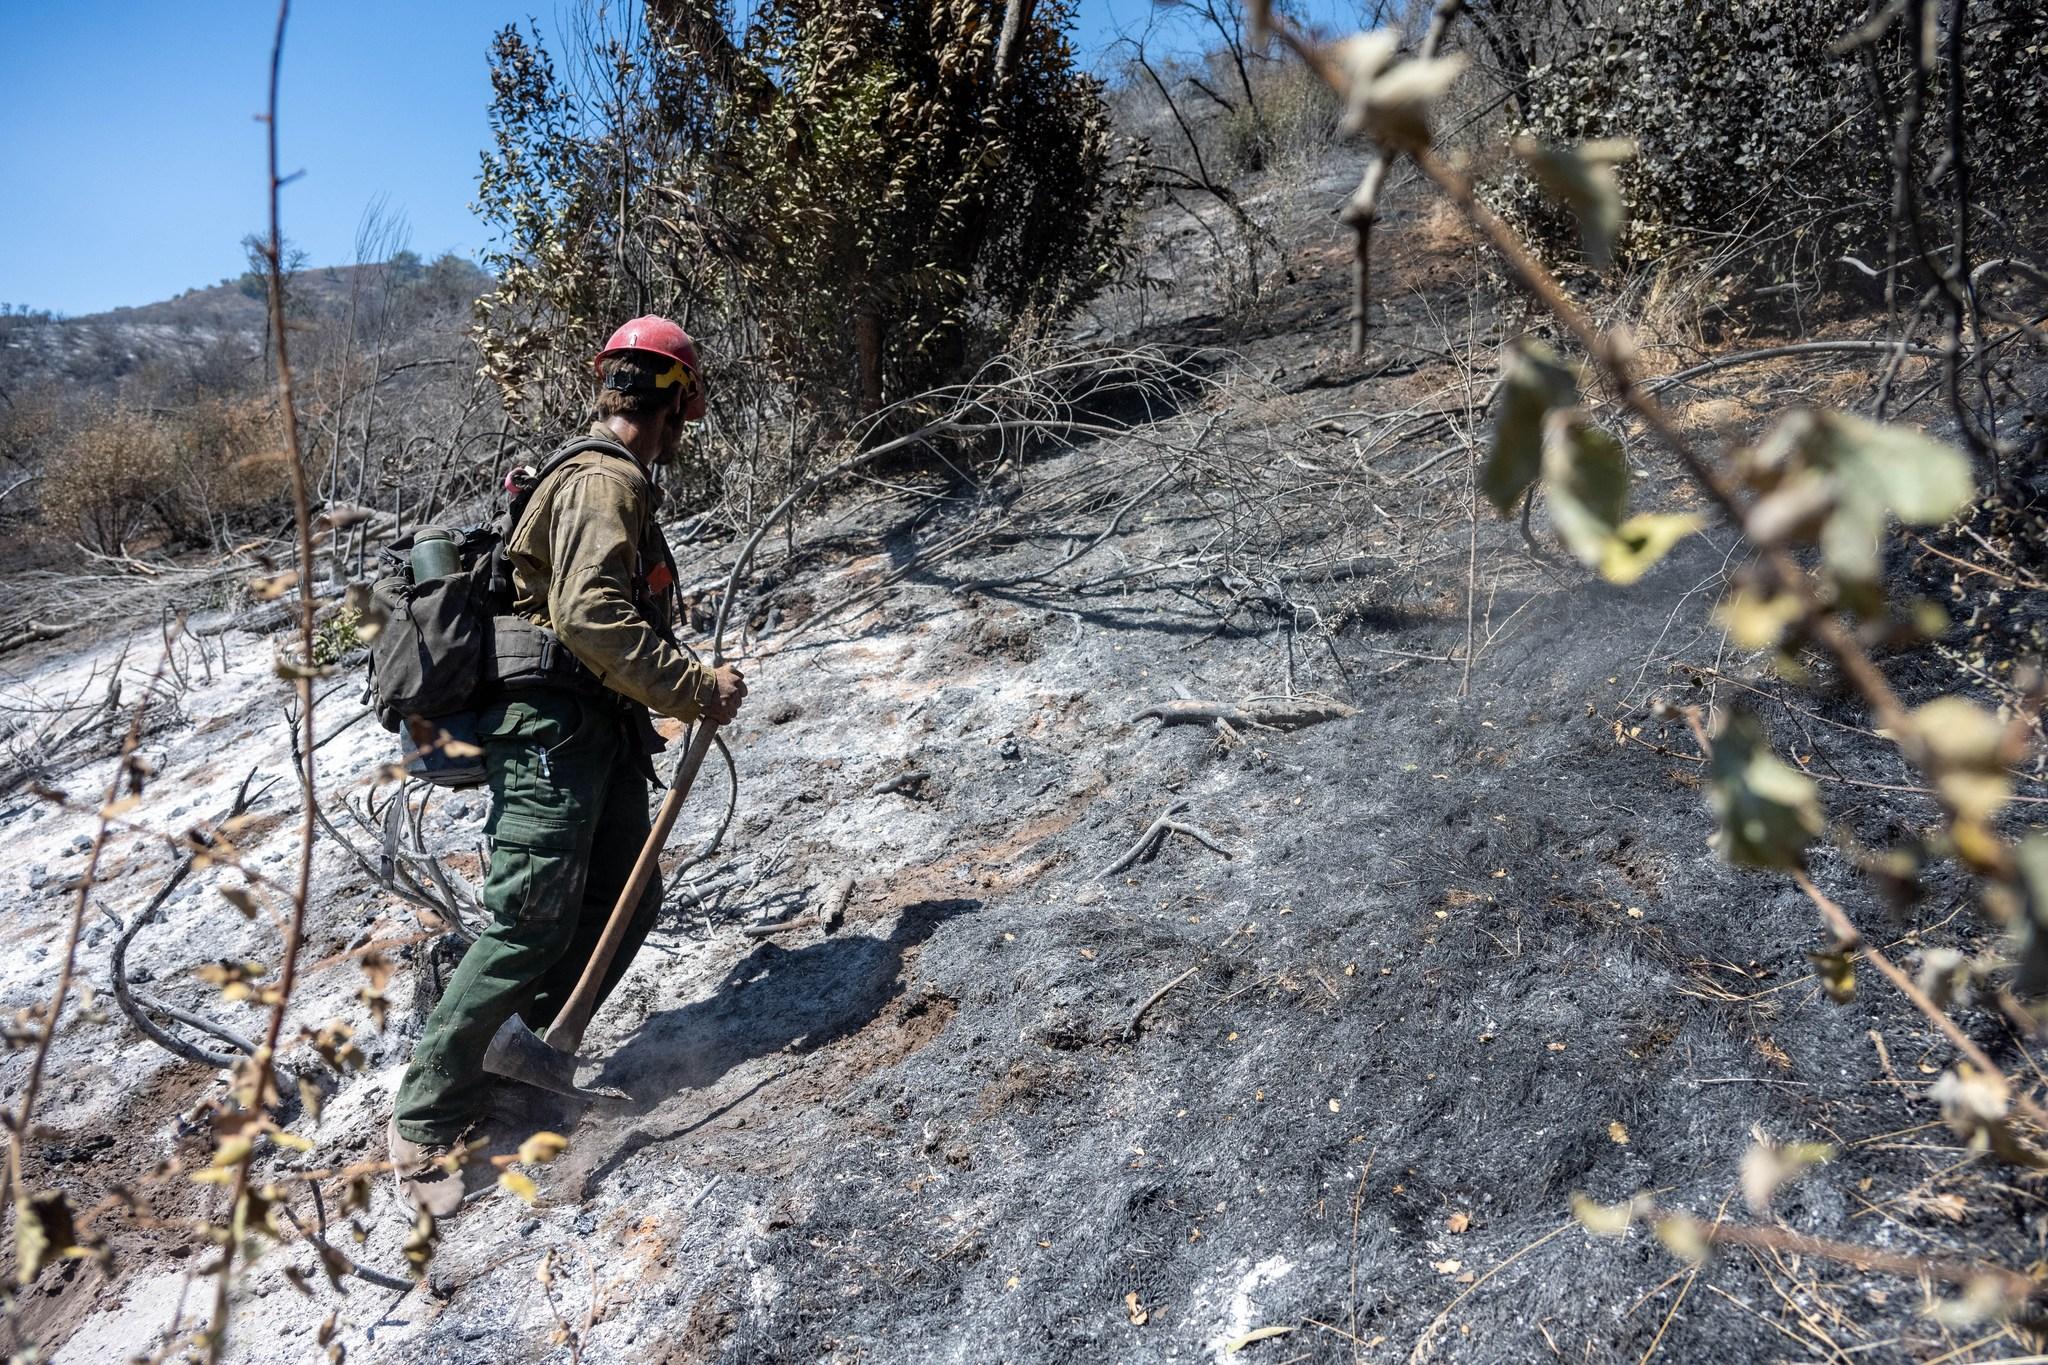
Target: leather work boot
{"type": "Point", "coordinates": [423, 1183]}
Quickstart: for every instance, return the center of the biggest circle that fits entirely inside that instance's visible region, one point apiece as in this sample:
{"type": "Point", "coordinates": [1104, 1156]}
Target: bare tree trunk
{"type": "Point", "coordinates": [867, 344]}
{"type": "Point", "coordinates": [1016, 18]}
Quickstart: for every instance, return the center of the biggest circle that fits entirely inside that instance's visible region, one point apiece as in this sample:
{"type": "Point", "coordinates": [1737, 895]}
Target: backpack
{"type": "Point", "coordinates": [445, 639]}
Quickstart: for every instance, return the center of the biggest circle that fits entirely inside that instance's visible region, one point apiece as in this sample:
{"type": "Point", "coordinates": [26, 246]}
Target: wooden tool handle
{"type": "Point", "coordinates": [566, 1033]}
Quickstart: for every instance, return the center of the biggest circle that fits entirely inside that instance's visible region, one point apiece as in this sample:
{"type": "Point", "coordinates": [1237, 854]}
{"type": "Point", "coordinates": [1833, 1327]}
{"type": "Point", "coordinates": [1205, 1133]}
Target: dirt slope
{"type": "Point", "coordinates": [1456, 957]}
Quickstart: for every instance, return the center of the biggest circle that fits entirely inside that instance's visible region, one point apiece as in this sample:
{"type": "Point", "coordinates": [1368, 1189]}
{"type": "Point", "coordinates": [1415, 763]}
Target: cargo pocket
{"type": "Point", "coordinates": [537, 873]}
{"type": "Point", "coordinates": [536, 756]}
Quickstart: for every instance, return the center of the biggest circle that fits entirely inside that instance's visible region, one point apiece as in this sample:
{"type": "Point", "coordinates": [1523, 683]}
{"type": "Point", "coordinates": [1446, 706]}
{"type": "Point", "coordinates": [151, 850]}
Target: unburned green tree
{"type": "Point", "coordinates": [848, 204]}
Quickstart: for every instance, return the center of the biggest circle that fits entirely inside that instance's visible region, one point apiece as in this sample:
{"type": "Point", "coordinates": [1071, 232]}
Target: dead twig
{"type": "Point", "coordinates": [338, 1262]}
{"type": "Point", "coordinates": [254, 1091]}
{"type": "Point", "coordinates": [1362, 210]}
{"type": "Point", "coordinates": [1850, 939]}
{"type": "Point", "coordinates": [700, 1196]}
{"type": "Point", "coordinates": [1426, 1343]}
{"type": "Point", "coordinates": [397, 870]}
{"type": "Point", "coordinates": [1137, 1015]}
{"type": "Point", "coordinates": [905, 782]}
{"type": "Point", "coordinates": [2012, 1284]}
{"type": "Point", "coordinates": [1254, 715]}
{"type": "Point", "coordinates": [140, 1007]}
{"type": "Point", "coordinates": [1724, 362]}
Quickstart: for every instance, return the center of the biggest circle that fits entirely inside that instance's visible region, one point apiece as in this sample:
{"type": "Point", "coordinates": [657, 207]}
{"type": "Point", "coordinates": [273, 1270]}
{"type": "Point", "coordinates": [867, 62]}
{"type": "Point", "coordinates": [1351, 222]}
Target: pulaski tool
{"type": "Point", "coordinates": [515, 1051]}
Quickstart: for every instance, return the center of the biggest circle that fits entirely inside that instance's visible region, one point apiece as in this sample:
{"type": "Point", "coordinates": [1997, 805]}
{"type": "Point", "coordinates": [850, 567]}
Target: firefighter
{"type": "Point", "coordinates": [566, 756]}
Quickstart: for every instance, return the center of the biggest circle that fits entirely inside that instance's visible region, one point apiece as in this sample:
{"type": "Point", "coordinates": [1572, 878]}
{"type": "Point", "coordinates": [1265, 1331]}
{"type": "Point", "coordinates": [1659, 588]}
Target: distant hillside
{"type": "Point", "coordinates": [219, 327]}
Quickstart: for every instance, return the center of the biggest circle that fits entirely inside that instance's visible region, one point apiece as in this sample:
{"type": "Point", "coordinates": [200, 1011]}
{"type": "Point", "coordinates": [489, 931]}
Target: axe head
{"type": "Point", "coordinates": [518, 1053]}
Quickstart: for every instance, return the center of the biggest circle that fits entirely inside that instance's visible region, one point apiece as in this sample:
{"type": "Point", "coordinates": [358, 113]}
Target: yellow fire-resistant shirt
{"type": "Point", "coordinates": [590, 563]}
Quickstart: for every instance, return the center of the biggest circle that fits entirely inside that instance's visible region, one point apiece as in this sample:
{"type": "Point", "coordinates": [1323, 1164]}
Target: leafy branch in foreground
{"type": "Point", "coordinates": [1819, 484]}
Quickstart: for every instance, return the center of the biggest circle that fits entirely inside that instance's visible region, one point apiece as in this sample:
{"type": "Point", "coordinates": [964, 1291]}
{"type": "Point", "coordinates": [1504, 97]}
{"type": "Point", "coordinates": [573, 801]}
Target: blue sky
{"type": "Point", "coordinates": [133, 164]}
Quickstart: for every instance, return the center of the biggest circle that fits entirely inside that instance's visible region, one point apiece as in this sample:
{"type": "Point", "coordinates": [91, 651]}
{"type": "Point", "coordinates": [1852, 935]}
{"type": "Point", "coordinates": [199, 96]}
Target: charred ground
{"type": "Point", "coordinates": [1467, 953]}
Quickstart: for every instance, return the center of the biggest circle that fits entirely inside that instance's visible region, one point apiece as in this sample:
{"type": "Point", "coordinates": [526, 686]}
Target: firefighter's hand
{"type": "Point", "coordinates": [732, 690]}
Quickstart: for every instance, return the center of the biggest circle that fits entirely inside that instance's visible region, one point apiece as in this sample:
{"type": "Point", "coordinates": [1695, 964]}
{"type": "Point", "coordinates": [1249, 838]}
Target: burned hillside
{"type": "Point", "coordinates": [1193, 880]}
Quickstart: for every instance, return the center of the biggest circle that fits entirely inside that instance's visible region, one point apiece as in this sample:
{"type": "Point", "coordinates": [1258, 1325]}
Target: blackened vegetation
{"type": "Point", "coordinates": [1475, 956]}
{"type": "Point", "coordinates": [1292, 1024]}
{"type": "Point", "coordinates": [1472, 950]}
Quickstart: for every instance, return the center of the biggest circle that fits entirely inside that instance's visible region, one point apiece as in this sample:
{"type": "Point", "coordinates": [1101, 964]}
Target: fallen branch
{"type": "Point", "coordinates": [1154, 838]}
{"type": "Point", "coordinates": [835, 903]}
{"type": "Point", "coordinates": [1154, 832]}
{"type": "Point", "coordinates": [1775, 352]}
{"type": "Point", "coordinates": [901, 782]}
{"type": "Point", "coordinates": [34, 631]}
{"type": "Point", "coordinates": [1199, 835]}
{"type": "Point", "coordinates": [1261, 715]}
{"type": "Point", "coordinates": [139, 1008]}
{"type": "Point", "coordinates": [827, 918]}
{"type": "Point", "coordinates": [1131, 1024]}
{"type": "Point", "coordinates": [781, 926]}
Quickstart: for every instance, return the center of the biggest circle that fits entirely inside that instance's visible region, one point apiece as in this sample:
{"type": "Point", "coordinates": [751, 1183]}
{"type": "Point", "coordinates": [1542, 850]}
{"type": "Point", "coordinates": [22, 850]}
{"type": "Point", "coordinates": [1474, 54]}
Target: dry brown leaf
{"type": "Point", "coordinates": [1949, 1206]}
{"type": "Point", "coordinates": [1236, 1344]}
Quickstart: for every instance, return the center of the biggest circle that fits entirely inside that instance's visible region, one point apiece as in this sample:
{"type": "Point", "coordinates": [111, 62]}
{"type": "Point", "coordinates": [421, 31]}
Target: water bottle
{"type": "Point", "coordinates": [434, 554]}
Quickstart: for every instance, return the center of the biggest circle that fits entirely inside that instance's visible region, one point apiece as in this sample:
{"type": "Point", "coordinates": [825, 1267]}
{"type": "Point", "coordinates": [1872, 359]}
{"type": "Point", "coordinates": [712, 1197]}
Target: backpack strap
{"type": "Point", "coordinates": [516, 510]}
{"type": "Point", "coordinates": [500, 570]}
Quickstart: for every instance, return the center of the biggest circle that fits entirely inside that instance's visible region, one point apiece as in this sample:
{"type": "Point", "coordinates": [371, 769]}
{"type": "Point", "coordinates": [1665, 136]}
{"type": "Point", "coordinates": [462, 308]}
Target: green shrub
{"type": "Point", "coordinates": [848, 197]}
{"type": "Point", "coordinates": [1759, 141]}
{"type": "Point", "coordinates": [336, 638]}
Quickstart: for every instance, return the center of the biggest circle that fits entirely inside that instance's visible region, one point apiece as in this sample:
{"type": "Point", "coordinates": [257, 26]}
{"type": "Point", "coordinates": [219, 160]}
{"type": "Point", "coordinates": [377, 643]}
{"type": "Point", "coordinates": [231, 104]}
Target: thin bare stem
{"type": "Point", "coordinates": [262, 1067]}
{"type": "Point", "coordinates": [1362, 210]}
{"type": "Point", "coordinates": [1849, 937]}
{"type": "Point", "coordinates": [2010, 1282]}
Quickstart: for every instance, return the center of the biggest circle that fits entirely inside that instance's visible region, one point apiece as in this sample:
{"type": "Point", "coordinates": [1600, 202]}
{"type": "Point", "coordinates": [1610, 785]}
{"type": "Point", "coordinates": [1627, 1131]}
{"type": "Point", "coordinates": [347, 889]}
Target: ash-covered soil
{"type": "Point", "coordinates": [1453, 956]}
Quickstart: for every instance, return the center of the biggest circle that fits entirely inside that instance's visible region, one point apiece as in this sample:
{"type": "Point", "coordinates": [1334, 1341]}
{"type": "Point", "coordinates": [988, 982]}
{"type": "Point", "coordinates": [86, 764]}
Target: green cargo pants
{"type": "Point", "coordinates": [568, 819]}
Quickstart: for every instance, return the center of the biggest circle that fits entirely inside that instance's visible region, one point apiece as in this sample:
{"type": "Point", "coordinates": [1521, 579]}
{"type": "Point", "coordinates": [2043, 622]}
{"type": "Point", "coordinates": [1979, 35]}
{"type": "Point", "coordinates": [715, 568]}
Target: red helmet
{"type": "Point", "coordinates": [660, 337]}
